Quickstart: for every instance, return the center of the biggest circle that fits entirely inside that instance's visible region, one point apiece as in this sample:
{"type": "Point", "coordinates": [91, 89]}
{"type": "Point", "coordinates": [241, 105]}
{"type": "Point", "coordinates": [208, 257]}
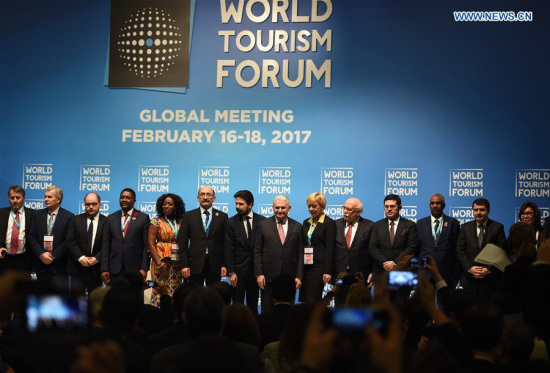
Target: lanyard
{"type": "Point", "coordinates": [124, 224]}
{"type": "Point", "coordinates": [436, 232]}
{"type": "Point", "coordinates": [174, 226]}
{"type": "Point", "coordinates": [310, 231]}
{"type": "Point", "coordinates": [51, 223]}
{"type": "Point", "coordinates": [18, 223]}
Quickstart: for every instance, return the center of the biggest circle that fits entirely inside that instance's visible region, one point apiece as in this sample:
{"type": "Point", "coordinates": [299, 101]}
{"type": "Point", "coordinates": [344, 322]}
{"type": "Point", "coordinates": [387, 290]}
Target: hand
{"type": "Point", "coordinates": [318, 345]}
{"type": "Point", "coordinates": [370, 284]}
{"type": "Point", "coordinates": [224, 271]}
{"type": "Point", "coordinates": [326, 278]}
{"type": "Point", "coordinates": [143, 273]}
{"type": "Point", "coordinates": [163, 270]}
{"type": "Point", "coordinates": [403, 262]}
{"type": "Point", "coordinates": [432, 268]}
{"type": "Point", "coordinates": [386, 353]}
{"type": "Point", "coordinates": [3, 252]}
{"type": "Point", "coordinates": [233, 279]}
{"type": "Point", "coordinates": [426, 291]}
{"type": "Point", "coordinates": [162, 288]}
{"type": "Point", "coordinates": [92, 260]}
{"type": "Point", "coordinates": [476, 272]}
{"type": "Point", "coordinates": [484, 272]}
{"type": "Point", "coordinates": [105, 277]}
{"type": "Point", "coordinates": [84, 262]}
{"type": "Point", "coordinates": [388, 266]}
{"type": "Point", "coordinates": [298, 283]}
{"type": "Point", "coordinates": [261, 281]}
{"type": "Point", "coordinates": [186, 272]}
{"type": "Point", "coordinates": [47, 258]}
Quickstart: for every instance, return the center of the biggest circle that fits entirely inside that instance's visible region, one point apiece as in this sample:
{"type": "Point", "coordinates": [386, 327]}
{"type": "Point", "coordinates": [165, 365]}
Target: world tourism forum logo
{"type": "Point", "coordinates": [149, 44]}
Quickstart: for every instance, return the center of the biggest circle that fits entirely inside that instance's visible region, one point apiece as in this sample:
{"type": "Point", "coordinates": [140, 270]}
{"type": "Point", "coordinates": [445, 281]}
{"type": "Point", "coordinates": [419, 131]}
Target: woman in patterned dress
{"type": "Point", "coordinates": [163, 241]}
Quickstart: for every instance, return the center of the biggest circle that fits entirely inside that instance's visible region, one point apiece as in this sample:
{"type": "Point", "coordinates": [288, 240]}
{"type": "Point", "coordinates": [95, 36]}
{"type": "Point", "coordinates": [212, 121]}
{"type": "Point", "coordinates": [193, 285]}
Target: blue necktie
{"type": "Point", "coordinates": [206, 226]}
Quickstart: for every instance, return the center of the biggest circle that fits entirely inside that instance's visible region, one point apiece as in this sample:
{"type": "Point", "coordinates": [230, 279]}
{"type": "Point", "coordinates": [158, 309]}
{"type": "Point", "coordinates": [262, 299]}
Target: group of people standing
{"type": "Point", "coordinates": [204, 245]}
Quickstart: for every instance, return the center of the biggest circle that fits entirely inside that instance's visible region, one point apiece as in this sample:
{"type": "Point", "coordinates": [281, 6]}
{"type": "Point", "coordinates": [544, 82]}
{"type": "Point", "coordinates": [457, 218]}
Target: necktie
{"type": "Point", "coordinates": [481, 235]}
{"type": "Point", "coordinates": [206, 221]}
{"type": "Point", "coordinates": [14, 245]}
{"type": "Point", "coordinates": [50, 227]}
{"type": "Point", "coordinates": [248, 228]}
{"type": "Point", "coordinates": [437, 232]}
{"type": "Point", "coordinates": [348, 234]}
{"type": "Point", "coordinates": [90, 235]}
{"type": "Point", "coordinates": [281, 232]}
{"type": "Point", "coordinates": [126, 225]}
{"type": "Point", "coordinates": [392, 232]}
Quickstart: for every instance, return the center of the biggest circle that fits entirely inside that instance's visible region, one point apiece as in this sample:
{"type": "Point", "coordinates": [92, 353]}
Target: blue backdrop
{"type": "Point", "coordinates": [414, 102]}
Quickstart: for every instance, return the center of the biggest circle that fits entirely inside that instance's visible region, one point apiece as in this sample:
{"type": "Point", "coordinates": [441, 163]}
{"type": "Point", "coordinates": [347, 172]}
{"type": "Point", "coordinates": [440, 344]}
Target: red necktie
{"type": "Point", "coordinates": [348, 235]}
{"type": "Point", "coordinates": [126, 225]}
{"type": "Point", "coordinates": [281, 233]}
{"type": "Point", "coordinates": [14, 245]}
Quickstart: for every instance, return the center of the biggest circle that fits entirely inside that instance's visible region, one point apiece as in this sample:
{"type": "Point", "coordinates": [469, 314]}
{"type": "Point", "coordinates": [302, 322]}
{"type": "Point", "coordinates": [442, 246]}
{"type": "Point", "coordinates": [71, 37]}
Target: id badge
{"type": "Point", "coordinates": [308, 255]}
{"type": "Point", "coordinates": [48, 243]}
{"type": "Point", "coordinates": [175, 256]}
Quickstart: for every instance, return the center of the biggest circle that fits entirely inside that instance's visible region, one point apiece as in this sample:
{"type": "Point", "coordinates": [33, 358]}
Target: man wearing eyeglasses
{"type": "Point", "coordinates": [201, 241]}
{"type": "Point", "coordinates": [391, 236]}
{"type": "Point", "coordinates": [84, 240]}
{"type": "Point", "coordinates": [352, 240]}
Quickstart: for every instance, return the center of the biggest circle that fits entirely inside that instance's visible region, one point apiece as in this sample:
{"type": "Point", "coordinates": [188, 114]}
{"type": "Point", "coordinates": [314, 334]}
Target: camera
{"type": "Point", "coordinates": [351, 322]}
{"type": "Point", "coordinates": [56, 312]}
{"type": "Point", "coordinates": [150, 284]}
{"type": "Point", "coordinates": [402, 279]}
{"type": "Point", "coordinates": [419, 262]}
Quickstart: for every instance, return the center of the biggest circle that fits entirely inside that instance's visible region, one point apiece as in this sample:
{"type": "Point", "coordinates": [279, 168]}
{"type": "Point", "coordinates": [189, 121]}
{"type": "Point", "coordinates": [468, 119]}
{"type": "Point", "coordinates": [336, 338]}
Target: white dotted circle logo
{"type": "Point", "coordinates": [149, 42]}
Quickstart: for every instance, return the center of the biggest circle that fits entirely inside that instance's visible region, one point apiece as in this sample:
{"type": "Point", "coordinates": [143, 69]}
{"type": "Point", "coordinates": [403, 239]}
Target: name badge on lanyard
{"type": "Point", "coordinates": [48, 243]}
{"type": "Point", "coordinates": [308, 255]}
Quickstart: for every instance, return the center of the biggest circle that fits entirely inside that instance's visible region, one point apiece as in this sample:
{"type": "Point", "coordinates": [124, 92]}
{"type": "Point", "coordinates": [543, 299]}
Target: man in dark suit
{"type": "Point", "coordinates": [278, 249]}
{"type": "Point", "coordinates": [437, 236]}
{"type": "Point", "coordinates": [391, 236]}
{"type": "Point", "coordinates": [15, 222]}
{"type": "Point", "coordinates": [84, 241]}
{"type": "Point", "coordinates": [239, 250]}
{"type": "Point", "coordinates": [47, 235]}
{"type": "Point", "coordinates": [201, 238]}
{"type": "Point", "coordinates": [351, 249]}
{"type": "Point", "coordinates": [480, 281]}
{"type": "Point", "coordinates": [124, 247]}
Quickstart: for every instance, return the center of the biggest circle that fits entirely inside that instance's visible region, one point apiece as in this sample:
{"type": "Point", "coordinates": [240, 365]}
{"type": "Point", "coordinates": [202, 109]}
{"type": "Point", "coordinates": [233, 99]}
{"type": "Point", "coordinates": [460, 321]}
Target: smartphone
{"type": "Point", "coordinates": [150, 284]}
{"type": "Point", "coordinates": [56, 312]}
{"type": "Point", "coordinates": [351, 322]}
{"type": "Point", "coordinates": [400, 279]}
{"type": "Point", "coordinates": [419, 262]}
{"type": "Point", "coordinates": [338, 281]}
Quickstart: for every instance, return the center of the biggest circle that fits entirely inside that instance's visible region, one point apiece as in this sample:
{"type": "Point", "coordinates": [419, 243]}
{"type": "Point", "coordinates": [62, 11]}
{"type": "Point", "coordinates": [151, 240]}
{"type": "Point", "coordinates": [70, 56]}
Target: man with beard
{"type": "Point", "coordinates": [84, 241]}
{"type": "Point", "coordinates": [239, 250]}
